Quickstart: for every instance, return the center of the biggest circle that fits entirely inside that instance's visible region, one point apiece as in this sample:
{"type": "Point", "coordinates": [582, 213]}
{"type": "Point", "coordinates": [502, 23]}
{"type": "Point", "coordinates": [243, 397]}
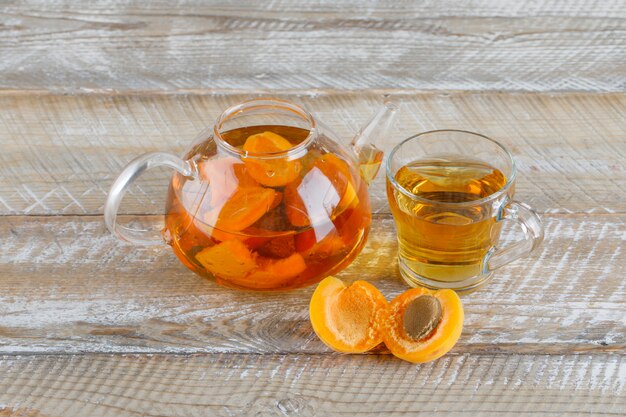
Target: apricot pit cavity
{"type": "Point", "coordinates": [422, 316]}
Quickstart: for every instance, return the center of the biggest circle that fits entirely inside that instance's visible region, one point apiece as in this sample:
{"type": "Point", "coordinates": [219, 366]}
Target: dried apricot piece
{"type": "Point", "coordinates": [422, 325]}
{"type": "Point", "coordinates": [310, 199]}
{"type": "Point", "coordinates": [271, 172]}
{"type": "Point", "coordinates": [338, 171]}
{"type": "Point", "coordinates": [271, 273]}
{"type": "Point", "coordinates": [279, 270]}
{"type": "Point", "coordinates": [347, 318]}
{"type": "Point", "coordinates": [323, 193]}
{"type": "Point", "coordinates": [278, 198]}
{"type": "Point", "coordinates": [278, 247]}
{"type": "Point", "coordinates": [229, 259]}
{"type": "Point", "coordinates": [307, 244]}
{"type": "Point", "coordinates": [244, 178]}
{"type": "Point", "coordinates": [253, 237]}
{"type": "Point", "coordinates": [242, 209]}
{"type": "Point", "coordinates": [224, 176]}
{"type": "Point", "coordinates": [266, 142]}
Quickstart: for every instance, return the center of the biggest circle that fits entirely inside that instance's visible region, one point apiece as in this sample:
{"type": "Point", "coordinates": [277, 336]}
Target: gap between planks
{"type": "Point", "coordinates": [306, 92]}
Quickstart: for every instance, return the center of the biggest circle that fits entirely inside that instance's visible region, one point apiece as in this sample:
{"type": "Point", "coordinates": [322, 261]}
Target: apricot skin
{"type": "Point", "coordinates": [356, 318]}
{"type": "Point", "coordinates": [270, 172]}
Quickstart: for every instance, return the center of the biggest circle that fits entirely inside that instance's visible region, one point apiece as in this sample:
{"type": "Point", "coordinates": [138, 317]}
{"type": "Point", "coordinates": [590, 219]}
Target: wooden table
{"type": "Point", "coordinates": [92, 327]}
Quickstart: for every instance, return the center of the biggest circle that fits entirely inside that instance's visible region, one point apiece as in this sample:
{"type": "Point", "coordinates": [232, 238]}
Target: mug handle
{"type": "Point", "coordinates": [532, 227]}
{"type": "Point", "coordinates": [129, 174]}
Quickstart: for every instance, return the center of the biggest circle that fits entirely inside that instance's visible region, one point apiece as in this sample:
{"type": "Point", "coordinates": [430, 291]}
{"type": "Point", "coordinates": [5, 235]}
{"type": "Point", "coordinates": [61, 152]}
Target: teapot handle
{"type": "Point", "coordinates": [129, 174]}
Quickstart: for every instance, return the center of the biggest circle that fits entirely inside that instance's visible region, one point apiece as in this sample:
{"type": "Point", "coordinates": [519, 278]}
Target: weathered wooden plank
{"type": "Point", "coordinates": [307, 385]}
{"type": "Point", "coordinates": [61, 153]}
{"type": "Point", "coordinates": [321, 8]}
{"type": "Point", "coordinates": [481, 44]}
{"type": "Point", "coordinates": [67, 286]}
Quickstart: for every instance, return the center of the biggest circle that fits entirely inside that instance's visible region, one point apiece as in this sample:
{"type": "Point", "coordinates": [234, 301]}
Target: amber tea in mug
{"type": "Point", "coordinates": [449, 192]}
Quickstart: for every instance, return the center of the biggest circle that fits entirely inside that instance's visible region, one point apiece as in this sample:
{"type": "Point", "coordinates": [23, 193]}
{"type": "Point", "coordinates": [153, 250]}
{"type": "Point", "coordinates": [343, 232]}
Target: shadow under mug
{"type": "Point", "coordinates": [446, 241]}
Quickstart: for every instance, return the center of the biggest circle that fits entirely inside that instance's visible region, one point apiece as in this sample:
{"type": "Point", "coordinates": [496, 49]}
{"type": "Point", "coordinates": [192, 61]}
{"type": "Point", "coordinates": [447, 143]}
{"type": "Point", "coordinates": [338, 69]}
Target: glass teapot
{"type": "Point", "coordinates": [266, 199]}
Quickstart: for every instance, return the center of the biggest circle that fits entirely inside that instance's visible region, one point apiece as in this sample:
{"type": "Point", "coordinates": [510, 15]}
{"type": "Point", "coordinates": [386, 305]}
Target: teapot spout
{"type": "Point", "coordinates": [364, 143]}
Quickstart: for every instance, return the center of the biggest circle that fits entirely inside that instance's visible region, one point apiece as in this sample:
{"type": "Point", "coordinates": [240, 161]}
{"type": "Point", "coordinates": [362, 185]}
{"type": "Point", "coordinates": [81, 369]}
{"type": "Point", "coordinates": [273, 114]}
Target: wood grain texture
{"type": "Point", "coordinates": [61, 153]}
{"type": "Point", "coordinates": [308, 385]}
{"type": "Point", "coordinates": [89, 326]}
{"type": "Point", "coordinates": [68, 286]}
{"type": "Point", "coordinates": [119, 45]}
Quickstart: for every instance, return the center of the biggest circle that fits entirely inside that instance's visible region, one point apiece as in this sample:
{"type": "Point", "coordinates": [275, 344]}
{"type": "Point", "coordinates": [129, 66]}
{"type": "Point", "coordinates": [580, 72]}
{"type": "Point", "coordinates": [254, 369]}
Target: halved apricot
{"type": "Point", "coordinates": [242, 209]}
{"type": "Point", "coordinates": [422, 325]}
{"type": "Point", "coordinates": [347, 318]}
{"type": "Point", "coordinates": [271, 172]}
{"type": "Point", "coordinates": [229, 259]}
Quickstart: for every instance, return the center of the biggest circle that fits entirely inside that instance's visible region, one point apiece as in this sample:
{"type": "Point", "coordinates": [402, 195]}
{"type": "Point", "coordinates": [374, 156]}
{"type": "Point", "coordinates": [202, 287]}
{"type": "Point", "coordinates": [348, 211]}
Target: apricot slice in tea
{"type": "Point", "coordinates": [266, 142]}
{"type": "Point", "coordinates": [224, 176]}
{"type": "Point", "coordinates": [243, 177]}
{"type": "Point", "coordinates": [254, 237]}
{"type": "Point", "coordinates": [272, 273]}
{"type": "Point", "coordinates": [422, 325]}
{"type": "Point", "coordinates": [278, 197]}
{"type": "Point", "coordinates": [324, 192]}
{"type": "Point", "coordinates": [307, 244]}
{"type": "Point", "coordinates": [270, 172]}
{"type": "Point", "coordinates": [278, 247]}
{"type": "Point", "coordinates": [338, 171]}
{"type": "Point", "coordinates": [229, 259]}
{"type": "Point", "coordinates": [277, 271]}
{"type": "Point", "coordinates": [250, 238]}
{"type": "Point", "coordinates": [347, 318]}
{"type": "Point", "coordinates": [244, 207]}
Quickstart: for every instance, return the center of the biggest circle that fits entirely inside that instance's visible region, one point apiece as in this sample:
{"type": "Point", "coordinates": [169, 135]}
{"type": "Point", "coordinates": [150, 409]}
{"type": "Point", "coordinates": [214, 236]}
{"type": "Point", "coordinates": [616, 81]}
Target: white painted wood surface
{"type": "Point", "coordinates": [311, 385]}
{"type": "Point", "coordinates": [68, 286]}
{"type": "Point", "coordinates": [89, 326]}
{"type": "Point", "coordinates": [548, 331]}
{"type": "Point", "coordinates": [60, 153]}
{"type": "Point", "coordinates": [521, 45]}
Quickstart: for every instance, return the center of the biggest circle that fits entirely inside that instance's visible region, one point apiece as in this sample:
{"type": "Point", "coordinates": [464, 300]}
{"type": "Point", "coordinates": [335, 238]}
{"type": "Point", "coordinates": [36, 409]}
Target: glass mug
{"type": "Point", "coordinates": [449, 193]}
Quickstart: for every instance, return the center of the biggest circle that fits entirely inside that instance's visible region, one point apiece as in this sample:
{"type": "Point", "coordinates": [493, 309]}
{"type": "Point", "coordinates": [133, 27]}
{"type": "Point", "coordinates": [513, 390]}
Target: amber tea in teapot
{"type": "Point", "coordinates": [268, 200]}
{"type": "Point", "coordinates": [265, 235]}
